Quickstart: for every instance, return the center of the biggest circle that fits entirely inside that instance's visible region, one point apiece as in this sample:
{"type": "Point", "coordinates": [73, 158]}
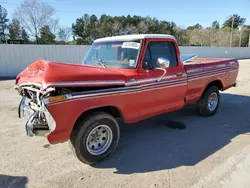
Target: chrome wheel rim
{"type": "Point", "coordinates": [99, 140]}
{"type": "Point", "coordinates": [212, 101]}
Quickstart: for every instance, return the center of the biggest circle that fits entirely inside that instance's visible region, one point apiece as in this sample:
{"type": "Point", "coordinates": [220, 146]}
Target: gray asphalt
{"type": "Point", "coordinates": [210, 152]}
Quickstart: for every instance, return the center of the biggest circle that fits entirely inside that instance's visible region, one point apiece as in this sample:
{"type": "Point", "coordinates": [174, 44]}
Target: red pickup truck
{"type": "Point", "coordinates": [131, 77]}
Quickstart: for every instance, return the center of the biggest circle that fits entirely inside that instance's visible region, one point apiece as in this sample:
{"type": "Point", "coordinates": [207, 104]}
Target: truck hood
{"type": "Point", "coordinates": [52, 74]}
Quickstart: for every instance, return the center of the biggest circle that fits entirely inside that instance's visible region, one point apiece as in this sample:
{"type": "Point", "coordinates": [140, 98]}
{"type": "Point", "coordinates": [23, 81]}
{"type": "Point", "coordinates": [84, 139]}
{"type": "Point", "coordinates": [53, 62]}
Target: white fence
{"type": "Point", "coordinates": [217, 52]}
{"type": "Point", "coordinates": [14, 58]}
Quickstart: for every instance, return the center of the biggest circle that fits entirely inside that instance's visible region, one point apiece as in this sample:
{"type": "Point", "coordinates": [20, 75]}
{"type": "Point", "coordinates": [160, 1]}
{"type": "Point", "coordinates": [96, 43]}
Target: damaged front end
{"type": "Point", "coordinates": [33, 110]}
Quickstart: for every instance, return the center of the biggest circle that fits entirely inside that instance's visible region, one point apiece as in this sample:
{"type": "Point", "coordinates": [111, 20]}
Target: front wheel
{"type": "Point", "coordinates": [209, 102]}
{"type": "Point", "coordinates": [95, 137]}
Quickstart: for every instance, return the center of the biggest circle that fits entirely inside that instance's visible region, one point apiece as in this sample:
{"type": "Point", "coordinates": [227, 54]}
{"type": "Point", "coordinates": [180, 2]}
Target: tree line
{"type": "Point", "coordinates": [34, 22]}
{"type": "Point", "coordinates": [90, 27]}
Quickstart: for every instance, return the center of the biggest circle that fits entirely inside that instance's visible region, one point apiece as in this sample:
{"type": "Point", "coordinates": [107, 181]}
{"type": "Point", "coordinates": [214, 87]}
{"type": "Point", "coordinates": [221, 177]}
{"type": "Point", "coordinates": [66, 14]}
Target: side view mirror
{"type": "Point", "coordinates": [162, 63]}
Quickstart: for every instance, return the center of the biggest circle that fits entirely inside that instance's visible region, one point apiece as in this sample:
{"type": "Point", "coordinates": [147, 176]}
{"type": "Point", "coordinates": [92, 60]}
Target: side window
{"type": "Point", "coordinates": [160, 49]}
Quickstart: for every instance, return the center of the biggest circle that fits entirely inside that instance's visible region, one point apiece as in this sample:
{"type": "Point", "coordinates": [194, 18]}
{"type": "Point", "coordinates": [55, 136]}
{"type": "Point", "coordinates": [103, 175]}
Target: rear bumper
{"type": "Point", "coordinates": [33, 126]}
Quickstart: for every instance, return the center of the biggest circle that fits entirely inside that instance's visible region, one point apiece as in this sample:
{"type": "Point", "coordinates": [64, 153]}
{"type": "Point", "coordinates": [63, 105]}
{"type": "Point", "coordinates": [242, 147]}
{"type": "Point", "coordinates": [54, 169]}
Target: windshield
{"type": "Point", "coordinates": [116, 54]}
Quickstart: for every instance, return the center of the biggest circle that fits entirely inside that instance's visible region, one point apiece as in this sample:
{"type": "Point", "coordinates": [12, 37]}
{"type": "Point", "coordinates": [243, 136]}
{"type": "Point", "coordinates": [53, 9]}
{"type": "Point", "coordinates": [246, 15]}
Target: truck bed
{"type": "Point", "coordinates": [206, 65]}
{"type": "Point", "coordinates": [202, 71]}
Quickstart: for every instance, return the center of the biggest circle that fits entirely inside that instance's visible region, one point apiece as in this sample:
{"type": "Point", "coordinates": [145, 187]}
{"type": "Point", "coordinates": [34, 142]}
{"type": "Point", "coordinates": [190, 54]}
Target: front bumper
{"type": "Point", "coordinates": [34, 127]}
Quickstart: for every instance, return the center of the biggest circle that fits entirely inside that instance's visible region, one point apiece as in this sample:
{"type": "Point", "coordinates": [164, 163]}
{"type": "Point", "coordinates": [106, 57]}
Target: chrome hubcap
{"type": "Point", "coordinates": [212, 101]}
{"type": "Point", "coordinates": [99, 140]}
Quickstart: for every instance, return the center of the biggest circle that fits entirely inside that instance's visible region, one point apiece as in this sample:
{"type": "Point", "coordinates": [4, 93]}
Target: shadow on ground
{"type": "Point", "coordinates": [13, 181]}
{"type": "Point", "coordinates": [151, 146]}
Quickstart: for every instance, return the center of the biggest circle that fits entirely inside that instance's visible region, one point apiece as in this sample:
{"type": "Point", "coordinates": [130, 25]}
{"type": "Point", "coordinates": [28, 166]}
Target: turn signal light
{"type": "Point", "coordinates": [57, 98]}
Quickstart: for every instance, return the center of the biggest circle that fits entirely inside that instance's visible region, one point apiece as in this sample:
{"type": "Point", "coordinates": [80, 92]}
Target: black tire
{"type": "Point", "coordinates": [83, 128]}
{"type": "Point", "coordinates": [202, 104]}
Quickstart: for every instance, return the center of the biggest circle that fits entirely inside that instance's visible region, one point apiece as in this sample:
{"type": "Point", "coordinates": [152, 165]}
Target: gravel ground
{"type": "Point", "coordinates": [210, 152]}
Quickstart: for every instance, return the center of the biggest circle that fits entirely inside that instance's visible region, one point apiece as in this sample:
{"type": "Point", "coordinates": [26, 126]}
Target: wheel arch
{"type": "Point", "coordinates": [112, 110]}
{"type": "Point", "coordinates": [216, 82]}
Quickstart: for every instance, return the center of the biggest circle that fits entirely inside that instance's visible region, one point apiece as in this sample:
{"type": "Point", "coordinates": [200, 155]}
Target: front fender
{"type": "Point", "coordinates": [67, 112]}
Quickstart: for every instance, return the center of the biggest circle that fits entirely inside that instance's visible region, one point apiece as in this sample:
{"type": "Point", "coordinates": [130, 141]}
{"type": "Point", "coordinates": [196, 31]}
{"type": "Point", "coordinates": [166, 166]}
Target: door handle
{"type": "Point", "coordinates": [179, 74]}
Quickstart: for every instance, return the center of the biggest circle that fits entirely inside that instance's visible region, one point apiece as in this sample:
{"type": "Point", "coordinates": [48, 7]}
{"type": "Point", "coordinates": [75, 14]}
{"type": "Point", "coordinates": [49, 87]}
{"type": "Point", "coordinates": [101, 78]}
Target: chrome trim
{"type": "Point", "coordinates": [164, 72]}
{"type": "Point", "coordinates": [38, 91]}
{"type": "Point", "coordinates": [208, 75]}
{"type": "Point", "coordinates": [131, 85]}
{"type": "Point", "coordinates": [48, 91]}
{"type": "Point", "coordinates": [136, 82]}
{"type": "Point", "coordinates": [24, 110]}
{"type": "Point", "coordinates": [106, 83]}
{"type": "Point", "coordinates": [208, 67]}
{"type": "Point", "coordinates": [164, 82]}
{"type": "Point", "coordinates": [211, 72]}
{"type": "Point", "coordinates": [232, 62]}
{"type": "Point", "coordinates": [28, 84]}
{"type": "Point", "coordinates": [104, 93]}
{"type": "Point", "coordinates": [50, 120]}
{"type": "Point", "coordinates": [32, 129]}
{"type": "Point", "coordinates": [29, 125]}
{"type": "Point", "coordinates": [142, 81]}
{"type": "Point", "coordinates": [121, 90]}
{"type": "Point", "coordinates": [194, 70]}
{"type": "Point", "coordinates": [31, 88]}
{"type": "Point", "coordinates": [223, 66]}
{"type": "Point", "coordinates": [20, 108]}
{"type": "Point", "coordinates": [86, 83]}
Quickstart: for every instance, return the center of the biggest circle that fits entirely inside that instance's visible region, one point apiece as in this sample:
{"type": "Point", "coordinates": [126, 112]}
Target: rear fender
{"type": "Point", "coordinates": [214, 81]}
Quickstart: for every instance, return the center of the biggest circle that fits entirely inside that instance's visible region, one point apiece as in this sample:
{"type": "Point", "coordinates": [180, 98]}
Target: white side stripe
{"type": "Point", "coordinates": [108, 82]}
{"type": "Point", "coordinates": [210, 67]}
{"type": "Point", "coordinates": [87, 83]}
{"type": "Point", "coordinates": [200, 77]}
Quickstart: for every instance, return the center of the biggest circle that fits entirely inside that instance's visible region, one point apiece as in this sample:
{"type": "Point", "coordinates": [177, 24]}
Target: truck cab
{"type": "Point", "coordinates": [137, 58]}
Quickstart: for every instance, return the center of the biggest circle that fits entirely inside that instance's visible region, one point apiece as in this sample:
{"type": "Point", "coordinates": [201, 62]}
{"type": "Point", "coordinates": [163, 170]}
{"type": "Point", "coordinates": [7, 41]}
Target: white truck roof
{"type": "Point", "coordinates": [133, 37]}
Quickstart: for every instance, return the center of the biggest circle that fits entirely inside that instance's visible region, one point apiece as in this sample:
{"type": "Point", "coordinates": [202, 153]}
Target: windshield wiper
{"type": "Point", "coordinates": [85, 62]}
{"type": "Point", "coordinates": [101, 63]}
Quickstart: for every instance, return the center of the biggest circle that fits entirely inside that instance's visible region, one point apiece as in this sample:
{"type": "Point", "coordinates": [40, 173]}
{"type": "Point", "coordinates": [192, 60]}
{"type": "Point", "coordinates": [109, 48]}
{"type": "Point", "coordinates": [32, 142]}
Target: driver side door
{"type": "Point", "coordinates": [167, 94]}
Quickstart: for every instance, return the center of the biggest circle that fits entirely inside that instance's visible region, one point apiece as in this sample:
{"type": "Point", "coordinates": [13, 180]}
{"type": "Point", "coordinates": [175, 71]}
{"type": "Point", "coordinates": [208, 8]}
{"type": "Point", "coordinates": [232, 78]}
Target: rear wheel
{"type": "Point", "coordinates": [209, 102]}
{"type": "Point", "coordinates": [95, 137]}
